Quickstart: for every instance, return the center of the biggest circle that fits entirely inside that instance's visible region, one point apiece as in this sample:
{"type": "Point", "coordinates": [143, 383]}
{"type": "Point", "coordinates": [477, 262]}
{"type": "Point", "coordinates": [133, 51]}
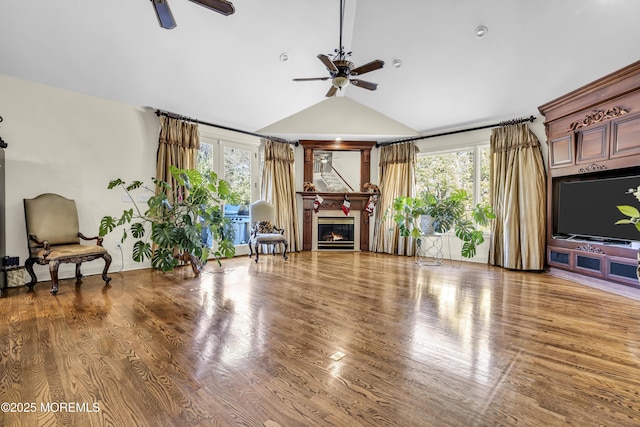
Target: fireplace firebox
{"type": "Point", "coordinates": [335, 233]}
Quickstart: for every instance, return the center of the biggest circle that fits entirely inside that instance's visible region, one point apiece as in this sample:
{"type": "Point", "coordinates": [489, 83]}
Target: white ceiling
{"type": "Point", "coordinates": [226, 70]}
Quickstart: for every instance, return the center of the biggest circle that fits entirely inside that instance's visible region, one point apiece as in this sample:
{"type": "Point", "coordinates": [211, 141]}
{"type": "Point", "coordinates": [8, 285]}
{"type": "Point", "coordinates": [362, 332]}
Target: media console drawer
{"type": "Point", "coordinates": [591, 260]}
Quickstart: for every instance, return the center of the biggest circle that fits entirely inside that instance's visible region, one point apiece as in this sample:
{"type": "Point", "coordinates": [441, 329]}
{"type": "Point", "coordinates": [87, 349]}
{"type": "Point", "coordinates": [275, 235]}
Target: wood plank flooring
{"type": "Point", "coordinates": [251, 344]}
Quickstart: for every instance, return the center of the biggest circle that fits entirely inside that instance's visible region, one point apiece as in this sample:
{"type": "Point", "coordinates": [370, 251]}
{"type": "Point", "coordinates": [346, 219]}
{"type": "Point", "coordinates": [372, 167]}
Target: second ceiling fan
{"type": "Point", "coordinates": [341, 70]}
{"type": "Point", "coordinates": [165, 17]}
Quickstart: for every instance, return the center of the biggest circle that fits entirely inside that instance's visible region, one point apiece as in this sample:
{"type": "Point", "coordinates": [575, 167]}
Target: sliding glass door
{"type": "Point", "coordinates": [237, 163]}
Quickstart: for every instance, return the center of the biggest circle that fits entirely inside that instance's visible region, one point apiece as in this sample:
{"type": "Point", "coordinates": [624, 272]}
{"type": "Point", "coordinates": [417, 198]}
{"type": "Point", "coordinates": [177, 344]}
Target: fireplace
{"type": "Point", "coordinates": [335, 233]}
{"type": "Point", "coordinates": [331, 230]}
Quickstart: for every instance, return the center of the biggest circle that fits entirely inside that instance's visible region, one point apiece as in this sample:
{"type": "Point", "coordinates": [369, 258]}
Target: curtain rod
{"type": "Point", "coordinates": [189, 119]}
{"type": "Point", "coordinates": [415, 138]}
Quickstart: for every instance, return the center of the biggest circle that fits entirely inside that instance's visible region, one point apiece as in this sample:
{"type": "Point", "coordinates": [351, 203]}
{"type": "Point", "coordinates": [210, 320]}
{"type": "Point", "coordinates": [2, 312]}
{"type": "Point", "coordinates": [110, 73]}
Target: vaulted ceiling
{"type": "Point", "coordinates": [228, 70]}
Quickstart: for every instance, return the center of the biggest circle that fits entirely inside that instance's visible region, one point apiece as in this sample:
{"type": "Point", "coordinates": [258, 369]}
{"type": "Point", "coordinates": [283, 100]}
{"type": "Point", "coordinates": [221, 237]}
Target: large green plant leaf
{"type": "Point", "coordinates": [163, 260]}
{"type": "Point", "coordinates": [114, 183]}
{"type": "Point", "coordinates": [107, 224]}
{"type": "Point", "coordinates": [137, 230]}
{"type": "Point", "coordinates": [164, 234]}
{"type": "Point", "coordinates": [126, 217]}
{"type": "Point", "coordinates": [629, 211]}
{"type": "Point", "coordinates": [141, 251]}
{"type": "Point", "coordinates": [468, 250]}
{"type": "Point", "coordinates": [134, 185]}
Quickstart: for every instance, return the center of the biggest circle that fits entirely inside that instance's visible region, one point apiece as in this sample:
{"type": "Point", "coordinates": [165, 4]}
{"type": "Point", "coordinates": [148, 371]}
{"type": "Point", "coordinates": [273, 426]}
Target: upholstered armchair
{"type": "Point", "coordinates": [263, 230]}
{"type": "Point", "coordinates": [53, 238]}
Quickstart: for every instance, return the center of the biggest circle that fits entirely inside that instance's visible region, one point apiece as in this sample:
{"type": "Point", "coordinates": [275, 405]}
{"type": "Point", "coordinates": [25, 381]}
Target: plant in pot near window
{"type": "Point", "coordinates": [174, 223]}
{"type": "Point", "coordinates": [447, 211]}
{"type": "Point", "coordinates": [633, 215]}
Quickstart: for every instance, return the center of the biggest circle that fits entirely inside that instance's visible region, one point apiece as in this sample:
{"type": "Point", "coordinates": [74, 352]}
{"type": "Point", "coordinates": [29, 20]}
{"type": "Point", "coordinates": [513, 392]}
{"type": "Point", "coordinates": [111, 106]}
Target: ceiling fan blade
{"type": "Point", "coordinates": [308, 79]}
{"type": "Point", "coordinates": [328, 63]}
{"type": "Point", "coordinates": [371, 66]}
{"type": "Point", "coordinates": [221, 6]}
{"type": "Point", "coordinates": [363, 84]}
{"type": "Point", "coordinates": [331, 92]}
{"type": "Point", "coordinates": [163, 12]}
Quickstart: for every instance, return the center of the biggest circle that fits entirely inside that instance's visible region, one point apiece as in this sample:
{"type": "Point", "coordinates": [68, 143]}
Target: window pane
{"type": "Point", "coordinates": [237, 172]}
{"type": "Point", "coordinates": [205, 158]}
{"type": "Point", "coordinates": [441, 173]}
{"type": "Point", "coordinates": [485, 174]}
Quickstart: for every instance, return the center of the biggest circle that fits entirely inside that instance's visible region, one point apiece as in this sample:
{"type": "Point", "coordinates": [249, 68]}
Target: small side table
{"type": "Point", "coordinates": [429, 249]}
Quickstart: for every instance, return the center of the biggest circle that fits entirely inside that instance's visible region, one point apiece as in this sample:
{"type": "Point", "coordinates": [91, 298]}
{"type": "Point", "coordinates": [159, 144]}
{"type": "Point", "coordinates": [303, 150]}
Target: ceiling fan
{"type": "Point", "coordinates": [341, 69]}
{"type": "Point", "coordinates": [165, 17]}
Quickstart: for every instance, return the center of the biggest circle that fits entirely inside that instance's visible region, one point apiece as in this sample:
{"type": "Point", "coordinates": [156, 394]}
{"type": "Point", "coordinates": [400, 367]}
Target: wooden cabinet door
{"type": "Point", "coordinates": [561, 151]}
{"type": "Point", "coordinates": [592, 144]}
{"type": "Point", "coordinates": [625, 136]}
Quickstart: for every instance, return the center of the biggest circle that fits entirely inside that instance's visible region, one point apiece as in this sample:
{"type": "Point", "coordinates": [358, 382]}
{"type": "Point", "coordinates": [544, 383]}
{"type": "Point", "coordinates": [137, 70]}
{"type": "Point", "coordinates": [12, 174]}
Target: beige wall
{"type": "Point", "coordinates": [72, 144]}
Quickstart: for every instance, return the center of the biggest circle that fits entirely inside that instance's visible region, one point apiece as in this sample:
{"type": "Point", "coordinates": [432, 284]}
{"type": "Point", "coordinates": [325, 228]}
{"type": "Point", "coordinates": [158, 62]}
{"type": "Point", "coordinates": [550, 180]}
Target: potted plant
{"type": "Point", "coordinates": [175, 218]}
{"type": "Point", "coordinates": [447, 211]}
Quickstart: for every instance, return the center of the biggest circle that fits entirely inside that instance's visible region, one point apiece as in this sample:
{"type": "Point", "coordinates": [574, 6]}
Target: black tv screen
{"type": "Point", "coordinates": [588, 208]}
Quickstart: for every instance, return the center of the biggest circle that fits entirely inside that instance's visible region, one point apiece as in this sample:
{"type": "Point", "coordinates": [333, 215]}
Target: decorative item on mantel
{"type": "Point", "coordinates": [317, 202]}
{"type": "Point", "coordinates": [634, 218]}
{"type": "Point", "coordinates": [346, 205]}
{"type": "Point", "coordinates": [373, 199]}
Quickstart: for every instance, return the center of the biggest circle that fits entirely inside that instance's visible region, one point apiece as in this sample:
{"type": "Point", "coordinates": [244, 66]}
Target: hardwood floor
{"type": "Point", "coordinates": [252, 344]}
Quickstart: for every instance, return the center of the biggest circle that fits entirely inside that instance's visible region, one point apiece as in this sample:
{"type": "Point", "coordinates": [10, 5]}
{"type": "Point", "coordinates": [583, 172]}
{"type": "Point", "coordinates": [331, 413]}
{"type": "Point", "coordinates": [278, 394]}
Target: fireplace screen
{"type": "Point", "coordinates": [335, 233]}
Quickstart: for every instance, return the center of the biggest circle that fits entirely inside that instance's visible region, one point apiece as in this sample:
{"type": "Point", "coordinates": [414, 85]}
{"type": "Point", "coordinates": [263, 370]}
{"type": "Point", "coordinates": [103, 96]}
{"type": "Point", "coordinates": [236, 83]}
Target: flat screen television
{"type": "Point", "coordinates": [588, 208]}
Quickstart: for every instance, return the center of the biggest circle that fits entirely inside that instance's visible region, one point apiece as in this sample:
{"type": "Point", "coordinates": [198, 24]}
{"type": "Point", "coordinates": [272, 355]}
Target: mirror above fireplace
{"type": "Point", "coordinates": [337, 166]}
{"type": "Point", "coordinates": [336, 171]}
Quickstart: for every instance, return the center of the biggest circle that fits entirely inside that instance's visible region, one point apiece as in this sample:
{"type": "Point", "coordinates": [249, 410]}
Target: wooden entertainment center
{"type": "Point", "coordinates": [593, 132]}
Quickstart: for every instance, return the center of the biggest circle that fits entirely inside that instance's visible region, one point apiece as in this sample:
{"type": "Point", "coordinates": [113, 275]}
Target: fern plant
{"type": "Point", "coordinates": [175, 218]}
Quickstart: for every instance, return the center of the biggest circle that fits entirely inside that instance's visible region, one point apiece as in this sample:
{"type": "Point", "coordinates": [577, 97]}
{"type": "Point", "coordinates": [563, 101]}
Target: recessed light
{"type": "Point", "coordinates": [284, 57]}
{"type": "Point", "coordinates": [397, 63]}
{"type": "Point", "coordinates": [481, 31]}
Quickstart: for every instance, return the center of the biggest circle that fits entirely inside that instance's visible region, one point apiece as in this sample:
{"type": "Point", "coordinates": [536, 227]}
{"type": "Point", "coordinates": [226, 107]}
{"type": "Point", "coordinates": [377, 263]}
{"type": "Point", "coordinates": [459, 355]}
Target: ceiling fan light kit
{"type": "Point", "coordinates": [165, 17]}
{"type": "Point", "coordinates": [341, 70]}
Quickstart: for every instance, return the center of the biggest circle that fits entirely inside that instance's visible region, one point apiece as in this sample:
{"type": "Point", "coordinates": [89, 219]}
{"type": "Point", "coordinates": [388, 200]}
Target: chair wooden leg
{"type": "Point", "coordinates": [257, 253]}
{"type": "Point", "coordinates": [78, 273]}
{"type": "Point", "coordinates": [53, 270]}
{"type": "Point", "coordinates": [107, 263]}
{"type": "Point", "coordinates": [284, 253]}
{"type": "Point", "coordinates": [28, 264]}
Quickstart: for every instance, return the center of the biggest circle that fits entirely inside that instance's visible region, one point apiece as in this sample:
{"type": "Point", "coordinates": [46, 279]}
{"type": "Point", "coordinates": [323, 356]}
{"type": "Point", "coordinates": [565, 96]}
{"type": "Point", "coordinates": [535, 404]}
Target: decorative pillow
{"type": "Point", "coordinates": [264, 227]}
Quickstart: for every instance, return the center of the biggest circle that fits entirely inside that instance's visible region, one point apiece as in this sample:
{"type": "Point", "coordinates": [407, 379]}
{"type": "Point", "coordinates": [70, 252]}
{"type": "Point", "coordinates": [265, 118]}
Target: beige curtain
{"type": "Point", "coordinates": [518, 195]}
{"type": "Point", "coordinates": [278, 188]}
{"type": "Point", "coordinates": [397, 178]}
{"type": "Point", "coordinates": [178, 146]}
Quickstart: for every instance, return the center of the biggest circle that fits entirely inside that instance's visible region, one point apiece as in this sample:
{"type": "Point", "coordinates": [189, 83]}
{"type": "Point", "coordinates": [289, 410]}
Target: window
{"type": "Point", "coordinates": [466, 168]}
{"type": "Point", "coordinates": [237, 163]}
